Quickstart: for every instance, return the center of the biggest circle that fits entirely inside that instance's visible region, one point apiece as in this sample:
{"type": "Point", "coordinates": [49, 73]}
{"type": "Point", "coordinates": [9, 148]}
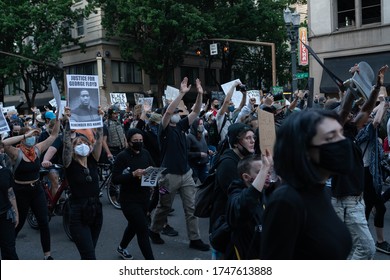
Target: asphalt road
{"type": "Point", "coordinates": [175, 248]}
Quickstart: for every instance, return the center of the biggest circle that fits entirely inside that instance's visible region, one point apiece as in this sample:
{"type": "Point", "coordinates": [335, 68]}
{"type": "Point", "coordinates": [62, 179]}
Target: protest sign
{"type": "Point", "coordinates": [83, 100]}
{"type": "Point", "coordinates": [151, 176]}
{"type": "Point", "coordinates": [267, 134]}
{"type": "Point", "coordinates": [118, 99]}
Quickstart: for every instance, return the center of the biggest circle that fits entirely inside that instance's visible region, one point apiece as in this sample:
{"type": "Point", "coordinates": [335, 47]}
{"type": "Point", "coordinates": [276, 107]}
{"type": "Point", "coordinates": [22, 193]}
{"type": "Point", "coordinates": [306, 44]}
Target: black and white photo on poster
{"type": "Point", "coordinates": [84, 100]}
{"type": "Point", "coordinates": [3, 122]}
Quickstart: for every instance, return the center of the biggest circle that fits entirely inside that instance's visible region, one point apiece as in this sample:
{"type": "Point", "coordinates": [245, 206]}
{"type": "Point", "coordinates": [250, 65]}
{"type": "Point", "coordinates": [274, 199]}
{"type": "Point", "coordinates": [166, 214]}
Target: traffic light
{"type": "Point", "coordinates": [225, 48]}
{"type": "Point", "coordinates": [198, 52]}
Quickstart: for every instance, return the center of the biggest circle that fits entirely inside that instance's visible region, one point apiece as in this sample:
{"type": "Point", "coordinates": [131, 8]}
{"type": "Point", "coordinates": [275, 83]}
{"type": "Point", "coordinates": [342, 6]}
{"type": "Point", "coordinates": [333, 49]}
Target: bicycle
{"type": "Point", "coordinates": [57, 205]}
{"type": "Point", "coordinates": [105, 182]}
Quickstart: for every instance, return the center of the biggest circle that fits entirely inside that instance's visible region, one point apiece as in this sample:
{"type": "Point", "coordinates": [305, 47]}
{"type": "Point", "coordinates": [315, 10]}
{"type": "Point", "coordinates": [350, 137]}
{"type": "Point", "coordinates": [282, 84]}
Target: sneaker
{"type": "Point", "coordinates": [168, 230]}
{"type": "Point", "coordinates": [155, 237]}
{"type": "Point", "coordinates": [383, 247]}
{"type": "Point", "coordinates": [48, 258]}
{"type": "Point", "coordinates": [199, 245]}
{"type": "Point", "coordinates": [124, 254]}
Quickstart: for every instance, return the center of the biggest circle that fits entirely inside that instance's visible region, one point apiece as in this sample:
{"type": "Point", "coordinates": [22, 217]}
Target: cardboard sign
{"type": "Point", "coordinates": [267, 133]}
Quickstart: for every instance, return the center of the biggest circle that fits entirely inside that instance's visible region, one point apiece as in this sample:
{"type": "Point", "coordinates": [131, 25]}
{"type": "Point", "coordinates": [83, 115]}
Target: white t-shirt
{"type": "Point", "coordinates": [219, 119]}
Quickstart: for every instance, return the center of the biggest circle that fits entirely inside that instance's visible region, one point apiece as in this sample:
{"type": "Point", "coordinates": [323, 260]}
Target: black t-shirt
{"type": "Point", "coordinates": [77, 179]}
{"type": "Point", "coordinates": [6, 183]}
{"type": "Point", "coordinates": [173, 146]}
{"type": "Point", "coordinates": [303, 225]}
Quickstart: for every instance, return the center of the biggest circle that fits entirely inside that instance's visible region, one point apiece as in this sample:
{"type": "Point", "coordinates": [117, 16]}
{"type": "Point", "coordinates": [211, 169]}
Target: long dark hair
{"type": "Point", "coordinates": [291, 159]}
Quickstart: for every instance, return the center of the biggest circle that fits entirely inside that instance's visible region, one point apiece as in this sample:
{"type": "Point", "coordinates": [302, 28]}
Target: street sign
{"type": "Point", "coordinates": [301, 75]}
{"type": "Point", "coordinates": [213, 49]}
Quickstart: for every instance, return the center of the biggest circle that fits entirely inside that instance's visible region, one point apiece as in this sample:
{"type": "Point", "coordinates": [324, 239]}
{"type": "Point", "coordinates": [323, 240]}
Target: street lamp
{"type": "Point", "coordinates": [292, 21]}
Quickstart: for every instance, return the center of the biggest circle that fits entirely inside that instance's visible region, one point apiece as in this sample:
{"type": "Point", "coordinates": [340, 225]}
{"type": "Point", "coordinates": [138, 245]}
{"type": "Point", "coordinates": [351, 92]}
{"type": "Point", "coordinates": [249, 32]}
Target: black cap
{"type": "Point", "coordinates": [235, 131]}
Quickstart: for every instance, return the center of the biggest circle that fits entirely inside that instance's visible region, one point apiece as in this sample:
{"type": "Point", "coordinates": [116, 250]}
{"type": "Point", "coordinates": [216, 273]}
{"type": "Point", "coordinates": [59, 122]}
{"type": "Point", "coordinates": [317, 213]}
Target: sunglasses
{"type": "Point", "coordinates": [88, 177]}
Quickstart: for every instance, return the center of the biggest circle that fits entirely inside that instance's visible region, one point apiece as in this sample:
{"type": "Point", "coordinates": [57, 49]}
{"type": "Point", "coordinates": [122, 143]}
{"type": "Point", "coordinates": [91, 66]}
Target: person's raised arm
{"type": "Point", "coordinates": [381, 108]}
{"type": "Point", "coordinates": [198, 103]}
{"type": "Point", "coordinates": [369, 105]}
{"type": "Point", "coordinates": [67, 153]}
{"type": "Point", "coordinates": [8, 143]}
{"type": "Point", "coordinates": [228, 97]}
{"type": "Point", "coordinates": [243, 101]}
{"type": "Point", "coordinates": [184, 88]}
{"type": "Point", "coordinates": [44, 145]}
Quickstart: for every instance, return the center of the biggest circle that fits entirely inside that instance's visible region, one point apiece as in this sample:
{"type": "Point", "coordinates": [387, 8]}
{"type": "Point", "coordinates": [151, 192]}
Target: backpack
{"type": "Point", "coordinates": [204, 196]}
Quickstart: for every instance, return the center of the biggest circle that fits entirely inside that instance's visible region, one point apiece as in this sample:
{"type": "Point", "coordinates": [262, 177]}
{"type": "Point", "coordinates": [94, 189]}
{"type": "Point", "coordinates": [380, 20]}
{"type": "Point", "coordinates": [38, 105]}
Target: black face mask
{"type": "Point", "coordinates": [216, 106]}
{"type": "Point", "coordinates": [336, 157]}
{"type": "Point", "coordinates": [137, 146]}
{"type": "Point", "coordinates": [243, 151]}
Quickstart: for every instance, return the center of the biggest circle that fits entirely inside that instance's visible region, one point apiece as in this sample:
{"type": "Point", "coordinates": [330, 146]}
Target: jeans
{"type": "Point", "coordinates": [85, 234]}
{"type": "Point", "coordinates": [184, 184]}
{"type": "Point", "coordinates": [350, 210]}
{"type": "Point", "coordinates": [137, 223]}
{"type": "Point", "coordinates": [7, 238]}
{"type": "Point", "coordinates": [33, 197]}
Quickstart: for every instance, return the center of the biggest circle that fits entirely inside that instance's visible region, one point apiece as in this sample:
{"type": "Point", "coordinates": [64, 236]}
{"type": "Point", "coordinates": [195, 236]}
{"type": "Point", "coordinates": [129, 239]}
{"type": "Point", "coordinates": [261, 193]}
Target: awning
{"type": "Point", "coordinates": [341, 65]}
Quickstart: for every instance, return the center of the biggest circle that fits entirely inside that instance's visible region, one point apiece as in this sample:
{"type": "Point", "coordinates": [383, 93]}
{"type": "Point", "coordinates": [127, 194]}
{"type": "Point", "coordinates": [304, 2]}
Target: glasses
{"type": "Point", "coordinates": [88, 177]}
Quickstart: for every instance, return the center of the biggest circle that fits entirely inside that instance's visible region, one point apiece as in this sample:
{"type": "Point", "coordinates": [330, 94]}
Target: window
{"type": "Point", "coordinates": [191, 73]}
{"type": "Point", "coordinates": [345, 13]}
{"type": "Point", "coordinates": [80, 27]}
{"type": "Point", "coordinates": [83, 69]}
{"type": "Point", "coordinates": [210, 77]}
{"type": "Point", "coordinates": [126, 72]}
{"type": "Point", "coordinates": [371, 11]}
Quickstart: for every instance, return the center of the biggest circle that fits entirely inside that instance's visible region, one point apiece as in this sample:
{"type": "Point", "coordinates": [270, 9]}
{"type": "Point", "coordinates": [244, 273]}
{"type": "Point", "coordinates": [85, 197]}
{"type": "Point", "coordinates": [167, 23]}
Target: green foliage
{"type": "Point", "coordinates": [33, 33]}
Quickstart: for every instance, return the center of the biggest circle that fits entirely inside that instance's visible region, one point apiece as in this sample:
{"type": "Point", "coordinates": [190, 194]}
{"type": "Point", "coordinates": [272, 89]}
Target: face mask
{"type": "Point", "coordinates": [137, 146]}
{"type": "Point", "coordinates": [30, 141]}
{"type": "Point", "coordinates": [216, 106]}
{"type": "Point", "coordinates": [243, 151]}
{"type": "Point", "coordinates": [200, 128]}
{"type": "Point", "coordinates": [14, 117]}
{"type": "Point", "coordinates": [82, 150]}
{"type": "Point", "coordinates": [231, 108]}
{"type": "Point", "coordinates": [336, 157]}
{"type": "Point", "coordinates": [175, 118]}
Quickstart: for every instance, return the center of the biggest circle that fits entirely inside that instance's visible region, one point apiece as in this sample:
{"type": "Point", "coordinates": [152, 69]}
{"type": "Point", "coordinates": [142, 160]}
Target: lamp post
{"type": "Point", "coordinates": [292, 21]}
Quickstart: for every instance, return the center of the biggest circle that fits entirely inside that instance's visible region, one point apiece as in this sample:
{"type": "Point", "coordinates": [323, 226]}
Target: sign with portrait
{"type": "Point", "coordinates": [119, 99]}
{"type": "Point", "coordinates": [84, 100]}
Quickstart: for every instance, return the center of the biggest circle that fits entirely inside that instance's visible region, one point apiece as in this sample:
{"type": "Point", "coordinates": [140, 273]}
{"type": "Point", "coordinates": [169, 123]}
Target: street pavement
{"type": "Point", "coordinates": [175, 248]}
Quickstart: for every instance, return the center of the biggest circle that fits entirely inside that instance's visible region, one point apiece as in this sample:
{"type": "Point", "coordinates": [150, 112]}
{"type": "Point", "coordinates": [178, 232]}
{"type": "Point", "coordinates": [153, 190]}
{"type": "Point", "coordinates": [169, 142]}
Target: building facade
{"type": "Point", "coordinates": [345, 32]}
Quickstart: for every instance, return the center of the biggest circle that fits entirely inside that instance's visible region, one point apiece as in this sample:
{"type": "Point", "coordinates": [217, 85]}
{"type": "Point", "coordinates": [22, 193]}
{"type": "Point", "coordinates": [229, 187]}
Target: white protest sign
{"type": "Point", "coordinates": [171, 93]}
{"type": "Point", "coordinates": [137, 96]}
{"type": "Point", "coordinates": [57, 96]}
{"type": "Point", "coordinates": [253, 94]}
{"type": "Point", "coordinates": [8, 108]}
{"type": "Point", "coordinates": [151, 176]}
{"type": "Point", "coordinates": [84, 100]}
{"type": "Point", "coordinates": [3, 123]}
{"type": "Point", "coordinates": [119, 99]}
{"type": "Point", "coordinates": [237, 95]}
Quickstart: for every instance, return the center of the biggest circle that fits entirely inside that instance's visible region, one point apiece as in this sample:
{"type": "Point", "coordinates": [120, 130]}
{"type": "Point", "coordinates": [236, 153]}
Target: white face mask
{"type": "Point", "coordinates": [175, 118]}
{"type": "Point", "coordinates": [82, 150]}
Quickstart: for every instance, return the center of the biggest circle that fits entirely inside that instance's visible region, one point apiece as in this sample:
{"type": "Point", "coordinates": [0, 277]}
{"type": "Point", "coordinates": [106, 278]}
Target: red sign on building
{"type": "Point", "coordinates": [303, 52]}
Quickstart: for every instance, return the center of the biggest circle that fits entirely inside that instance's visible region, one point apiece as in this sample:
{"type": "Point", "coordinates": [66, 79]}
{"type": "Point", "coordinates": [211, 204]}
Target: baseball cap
{"type": "Point", "coordinates": [154, 117]}
{"type": "Point", "coordinates": [49, 115]}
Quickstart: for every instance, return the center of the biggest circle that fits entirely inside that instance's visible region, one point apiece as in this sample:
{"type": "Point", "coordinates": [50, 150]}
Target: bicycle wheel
{"type": "Point", "coordinates": [113, 192]}
{"type": "Point", "coordinates": [32, 220]}
{"type": "Point", "coordinates": [66, 219]}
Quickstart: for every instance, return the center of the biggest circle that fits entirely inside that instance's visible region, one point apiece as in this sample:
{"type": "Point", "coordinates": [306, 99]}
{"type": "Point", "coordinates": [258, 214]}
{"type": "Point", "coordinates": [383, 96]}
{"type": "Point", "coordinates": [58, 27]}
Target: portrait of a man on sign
{"type": "Point", "coordinates": [84, 105]}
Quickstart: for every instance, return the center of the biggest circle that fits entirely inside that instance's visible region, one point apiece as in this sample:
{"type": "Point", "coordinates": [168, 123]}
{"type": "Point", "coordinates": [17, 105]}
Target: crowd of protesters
{"type": "Point", "coordinates": [301, 202]}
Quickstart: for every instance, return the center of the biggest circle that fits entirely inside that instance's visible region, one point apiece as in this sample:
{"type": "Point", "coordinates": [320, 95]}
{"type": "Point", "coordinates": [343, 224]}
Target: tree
{"type": "Point", "coordinates": [156, 33]}
{"type": "Point", "coordinates": [33, 33]}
